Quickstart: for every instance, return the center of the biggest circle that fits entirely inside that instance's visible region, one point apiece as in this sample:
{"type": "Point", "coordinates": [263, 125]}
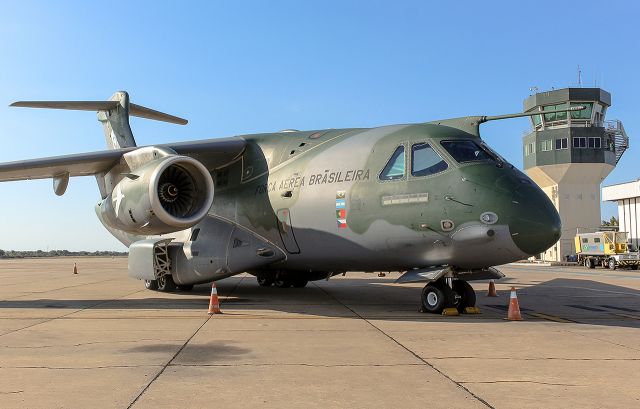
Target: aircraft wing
{"type": "Point", "coordinates": [217, 152]}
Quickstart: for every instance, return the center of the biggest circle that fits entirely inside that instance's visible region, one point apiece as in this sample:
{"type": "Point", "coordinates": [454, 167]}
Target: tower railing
{"type": "Point", "coordinates": [615, 130]}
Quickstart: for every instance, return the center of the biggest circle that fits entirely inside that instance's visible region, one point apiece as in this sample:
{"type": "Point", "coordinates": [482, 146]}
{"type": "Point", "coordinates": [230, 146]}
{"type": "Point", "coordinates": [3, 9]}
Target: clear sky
{"type": "Point", "coordinates": [234, 67]}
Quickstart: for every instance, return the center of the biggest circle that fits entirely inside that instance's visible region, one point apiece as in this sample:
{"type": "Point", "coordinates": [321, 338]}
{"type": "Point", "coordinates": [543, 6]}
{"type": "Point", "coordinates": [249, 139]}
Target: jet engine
{"type": "Point", "coordinates": [162, 196]}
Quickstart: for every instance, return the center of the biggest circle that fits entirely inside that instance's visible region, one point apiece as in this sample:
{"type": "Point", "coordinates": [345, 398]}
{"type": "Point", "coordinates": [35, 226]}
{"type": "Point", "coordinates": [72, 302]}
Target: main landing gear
{"type": "Point", "coordinates": [166, 284]}
{"type": "Point", "coordinates": [447, 293]}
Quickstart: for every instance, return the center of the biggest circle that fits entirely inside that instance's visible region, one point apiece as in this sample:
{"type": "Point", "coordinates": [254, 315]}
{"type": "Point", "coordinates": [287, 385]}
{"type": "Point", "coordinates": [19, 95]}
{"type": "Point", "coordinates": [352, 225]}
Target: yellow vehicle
{"type": "Point", "coordinates": [606, 248]}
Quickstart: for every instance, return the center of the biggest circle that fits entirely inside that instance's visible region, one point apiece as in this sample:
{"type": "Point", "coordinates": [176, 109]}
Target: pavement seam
{"type": "Point", "coordinates": [56, 289]}
{"type": "Point", "coordinates": [527, 381]}
{"type": "Point", "coordinates": [295, 364]}
{"type": "Point", "coordinates": [234, 288]}
{"type": "Point", "coordinates": [458, 384]}
{"type": "Point", "coordinates": [601, 340]}
{"type": "Point", "coordinates": [68, 314]}
{"type": "Point", "coordinates": [165, 366]}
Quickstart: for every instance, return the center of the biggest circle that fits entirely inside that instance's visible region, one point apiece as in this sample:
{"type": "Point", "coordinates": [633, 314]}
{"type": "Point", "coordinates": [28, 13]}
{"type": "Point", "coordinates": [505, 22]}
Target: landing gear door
{"type": "Point", "coordinates": [286, 231]}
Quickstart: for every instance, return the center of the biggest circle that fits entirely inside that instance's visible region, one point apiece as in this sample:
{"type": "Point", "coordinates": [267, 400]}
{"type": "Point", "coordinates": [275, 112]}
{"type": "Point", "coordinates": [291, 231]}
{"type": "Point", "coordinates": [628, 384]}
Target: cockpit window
{"type": "Point", "coordinates": [394, 169]}
{"type": "Point", "coordinates": [467, 151]}
{"type": "Point", "coordinates": [425, 161]}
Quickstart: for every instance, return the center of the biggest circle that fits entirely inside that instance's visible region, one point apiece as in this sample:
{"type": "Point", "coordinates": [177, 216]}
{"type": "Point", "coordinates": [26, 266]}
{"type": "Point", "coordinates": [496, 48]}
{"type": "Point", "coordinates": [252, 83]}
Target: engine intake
{"type": "Point", "coordinates": [181, 191]}
{"type": "Point", "coordinates": [165, 195]}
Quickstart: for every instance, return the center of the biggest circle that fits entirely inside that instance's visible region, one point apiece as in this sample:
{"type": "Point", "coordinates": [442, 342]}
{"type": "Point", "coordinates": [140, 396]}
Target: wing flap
{"type": "Point", "coordinates": [213, 153]}
{"type": "Point", "coordinates": [83, 164]}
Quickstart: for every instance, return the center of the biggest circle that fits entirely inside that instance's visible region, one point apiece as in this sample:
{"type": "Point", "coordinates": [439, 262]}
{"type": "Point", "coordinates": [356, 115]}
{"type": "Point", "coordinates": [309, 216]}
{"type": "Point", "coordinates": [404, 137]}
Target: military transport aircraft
{"type": "Point", "coordinates": [431, 200]}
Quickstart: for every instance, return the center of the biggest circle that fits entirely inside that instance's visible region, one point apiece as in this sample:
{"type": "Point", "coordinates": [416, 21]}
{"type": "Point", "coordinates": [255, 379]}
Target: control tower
{"type": "Point", "coordinates": [568, 154]}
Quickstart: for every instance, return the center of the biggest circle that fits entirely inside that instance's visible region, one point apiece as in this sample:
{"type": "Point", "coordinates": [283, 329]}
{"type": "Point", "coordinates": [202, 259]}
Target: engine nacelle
{"type": "Point", "coordinates": [165, 195]}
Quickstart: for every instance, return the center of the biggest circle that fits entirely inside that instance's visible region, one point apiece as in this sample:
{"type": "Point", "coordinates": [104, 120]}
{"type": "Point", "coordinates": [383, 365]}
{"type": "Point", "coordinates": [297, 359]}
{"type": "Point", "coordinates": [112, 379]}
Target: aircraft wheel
{"type": "Point", "coordinates": [612, 264]}
{"type": "Point", "coordinates": [166, 284]}
{"type": "Point", "coordinates": [282, 283]}
{"type": "Point", "coordinates": [433, 299]}
{"type": "Point", "coordinates": [151, 285]}
{"type": "Point", "coordinates": [185, 288]}
{"type": "Point", "coordinates": [300, 283]}
{"type": "Point", "coordinates": [264, 282]}
{"type": "Point", "coordinates": [467, 294]}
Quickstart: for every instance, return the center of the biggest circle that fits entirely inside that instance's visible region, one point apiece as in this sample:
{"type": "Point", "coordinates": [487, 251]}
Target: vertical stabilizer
{"type": "Point", "coordinates": [115, 123]}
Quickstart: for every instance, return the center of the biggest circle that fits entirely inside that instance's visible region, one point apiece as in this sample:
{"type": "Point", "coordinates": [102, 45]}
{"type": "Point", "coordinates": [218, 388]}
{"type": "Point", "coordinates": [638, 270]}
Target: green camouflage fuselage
{"type": "Point", "coordinates": [318, 196]}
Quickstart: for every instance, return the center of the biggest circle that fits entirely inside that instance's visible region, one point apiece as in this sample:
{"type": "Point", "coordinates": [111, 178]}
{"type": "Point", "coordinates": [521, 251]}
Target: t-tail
{"type": "Point", "coordinates": [113, 114]}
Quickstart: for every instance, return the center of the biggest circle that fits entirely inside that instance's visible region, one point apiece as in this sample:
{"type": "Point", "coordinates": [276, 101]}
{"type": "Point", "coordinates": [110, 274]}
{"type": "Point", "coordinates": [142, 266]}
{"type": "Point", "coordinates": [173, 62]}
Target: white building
{"type": "Point", "coordinates": [628, 197]}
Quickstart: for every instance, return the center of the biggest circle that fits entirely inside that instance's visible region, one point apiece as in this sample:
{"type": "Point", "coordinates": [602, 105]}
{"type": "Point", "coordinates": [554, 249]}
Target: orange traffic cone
{"type": "Point", "coordinates": [214, 305]}
{"type": "Point", "coordinates": [75, 268]}
{"type": "Point", "coordinates": [492, 289]}
{"type": "Point", "coordinates": [514, 308]}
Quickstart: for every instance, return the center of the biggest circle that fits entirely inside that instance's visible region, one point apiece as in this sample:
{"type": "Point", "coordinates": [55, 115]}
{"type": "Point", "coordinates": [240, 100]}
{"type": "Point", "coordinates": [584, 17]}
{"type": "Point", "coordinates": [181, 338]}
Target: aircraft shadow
{"type": "Point", "coordinates": [561, 300]}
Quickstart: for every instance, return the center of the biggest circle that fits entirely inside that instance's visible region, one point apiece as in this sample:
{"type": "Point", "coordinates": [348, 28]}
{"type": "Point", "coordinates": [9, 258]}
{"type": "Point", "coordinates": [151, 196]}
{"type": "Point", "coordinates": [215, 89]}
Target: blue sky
{"type": "Point", "coordinates": [234, 67]}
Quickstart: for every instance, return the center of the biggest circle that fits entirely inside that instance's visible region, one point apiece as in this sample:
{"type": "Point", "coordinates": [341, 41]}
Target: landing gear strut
{"type": "Point", "coordinates": [447, 293]}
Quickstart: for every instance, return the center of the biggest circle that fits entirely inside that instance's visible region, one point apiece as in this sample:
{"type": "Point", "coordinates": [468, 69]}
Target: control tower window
{"type": "Point", "coordinates": [467, 151]}
{"type": "Point", "coordinates": [583, 114]}
{"type": "Point", "coordinates": [595, 142]}
{"type": "Point", "coordinates": [556, 116]}
{"type": "Point", "coordinates": [580, 142]}
{"type": "Point", "coordinates": [537, 121]}
{"type": "Point", "coordinates": [394, 169]}
{"type": "Point", "coordinates": [425, 161]}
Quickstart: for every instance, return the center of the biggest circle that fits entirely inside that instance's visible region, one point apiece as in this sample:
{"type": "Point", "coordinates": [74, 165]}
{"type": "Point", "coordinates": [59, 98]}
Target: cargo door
{"type": "Point", "coordinates": [286, 231]}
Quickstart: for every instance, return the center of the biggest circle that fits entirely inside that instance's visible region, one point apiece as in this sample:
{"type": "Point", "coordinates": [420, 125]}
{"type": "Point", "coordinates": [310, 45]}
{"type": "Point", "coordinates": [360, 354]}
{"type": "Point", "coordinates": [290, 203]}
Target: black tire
{"type": "Point", "coordinates": [433, 299]}
{"type": "Point", "coordinates": [151, 285]}
{"type": "Point", "coordinates": [166, 284]}
{"type": "Point", "coordinates": [264, 282]}
{"type": "Point", "coordinates": [185, 287]}
{"type": "Point", "coordinates": [612, 264]}
{"type": "Point", "coordinates": [300, 283]}
{"type": "Point", "coordinates": [467, 294]}
{"type": "Point", "coordinates": [591, 263]}
{"type": "Point", "coordinates": [634, 267]}
{"type": "Point", "coordinates": [282, 283]}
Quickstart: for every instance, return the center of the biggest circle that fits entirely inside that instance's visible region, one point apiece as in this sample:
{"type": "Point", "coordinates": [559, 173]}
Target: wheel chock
{"type": "Point", "coordinates": [450, 312]}
{"type": "Point", "coordinates": [472, 310]}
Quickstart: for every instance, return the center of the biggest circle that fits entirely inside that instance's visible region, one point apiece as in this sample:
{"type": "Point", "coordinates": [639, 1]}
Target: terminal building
{"type": "Point", "coordinates": [569, 154]}
{"type": "Point", "coordinates": [628, 197]}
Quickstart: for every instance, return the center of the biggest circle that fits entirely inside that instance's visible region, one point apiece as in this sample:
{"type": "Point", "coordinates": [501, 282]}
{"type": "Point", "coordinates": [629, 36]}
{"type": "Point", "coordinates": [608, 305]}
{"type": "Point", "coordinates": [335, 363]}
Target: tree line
{"type": "Point", "coordinates": [58, 253]}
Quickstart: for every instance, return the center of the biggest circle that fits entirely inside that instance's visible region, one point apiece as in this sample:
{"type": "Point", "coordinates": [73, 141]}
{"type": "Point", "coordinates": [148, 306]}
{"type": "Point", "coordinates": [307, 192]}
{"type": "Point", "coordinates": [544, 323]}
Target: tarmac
{"type": "Point", "coordinates": [98, 339]}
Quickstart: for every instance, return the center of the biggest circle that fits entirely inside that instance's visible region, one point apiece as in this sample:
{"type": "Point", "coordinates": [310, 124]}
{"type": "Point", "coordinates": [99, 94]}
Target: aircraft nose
{"type": "Point", "coordinates": [535, 225]}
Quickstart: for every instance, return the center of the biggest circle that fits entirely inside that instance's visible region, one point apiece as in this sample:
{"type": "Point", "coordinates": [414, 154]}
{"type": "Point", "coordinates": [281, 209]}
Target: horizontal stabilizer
{"type": "Point", "coordinates": [134, 109]}
{"type": "Point", "coordinates": [148, 113]}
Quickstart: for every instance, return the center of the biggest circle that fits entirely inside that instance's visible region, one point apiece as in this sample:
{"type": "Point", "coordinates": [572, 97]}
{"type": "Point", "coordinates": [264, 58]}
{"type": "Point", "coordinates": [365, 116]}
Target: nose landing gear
{"type": "Point", "coordinates": [447, 293]}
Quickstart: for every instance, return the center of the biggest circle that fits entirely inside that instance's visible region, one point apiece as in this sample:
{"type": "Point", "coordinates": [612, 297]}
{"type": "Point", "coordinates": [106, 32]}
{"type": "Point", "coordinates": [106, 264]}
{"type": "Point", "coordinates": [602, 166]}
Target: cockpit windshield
{"type": "Point", "coordinates": [464, 151]}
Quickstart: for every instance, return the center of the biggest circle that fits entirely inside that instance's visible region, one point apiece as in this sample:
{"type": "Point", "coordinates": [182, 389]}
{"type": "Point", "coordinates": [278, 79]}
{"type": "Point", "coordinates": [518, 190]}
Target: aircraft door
{"type": "Point", "coordinates": [286, 231]}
